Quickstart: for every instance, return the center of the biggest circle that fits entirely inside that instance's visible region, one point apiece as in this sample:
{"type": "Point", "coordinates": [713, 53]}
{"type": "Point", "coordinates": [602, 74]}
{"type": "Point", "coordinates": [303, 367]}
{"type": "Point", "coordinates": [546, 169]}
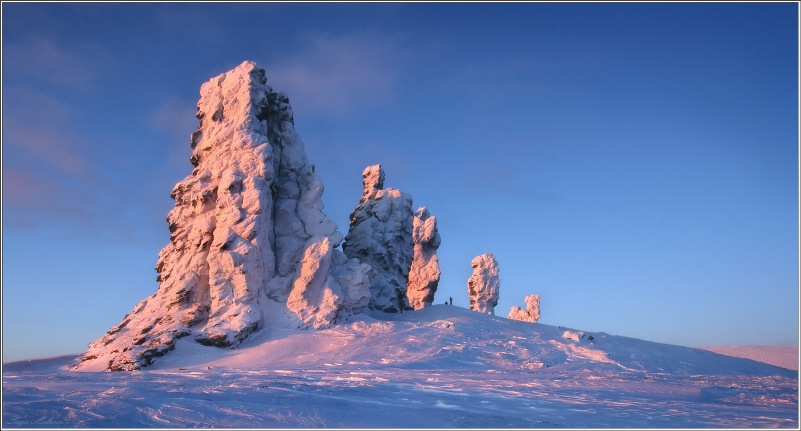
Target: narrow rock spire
{"type": "Point", "coordinates": [484, 285]}
{"type": "Point", "coordinates": [424, 272]}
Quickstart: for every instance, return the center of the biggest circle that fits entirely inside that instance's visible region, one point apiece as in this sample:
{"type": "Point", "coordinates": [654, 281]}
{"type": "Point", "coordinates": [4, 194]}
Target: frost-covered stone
{"type": "Point", "coordinates": [314, 298]}
{"type": "Point", "coordinates": [353, 277]}
{"type": "Point", "coordinates": [424, 272]}
{"type": "Point", "coordinates": [381, 235]}
{"type": "Point", "coordinates": [321, 296]}
{"type": "Point", "coordinates": [483, 285]}
{"type": "Point", "coordinates": [530, 314]}
{"type": "Point", "coordinates": [373, 180]}
{"type": "Point", "coordinates": [242, 222]}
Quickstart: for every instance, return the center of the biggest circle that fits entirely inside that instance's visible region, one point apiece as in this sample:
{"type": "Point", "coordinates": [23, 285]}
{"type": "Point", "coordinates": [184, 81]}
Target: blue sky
{"type": "Point", "coordinates": [634, 164]}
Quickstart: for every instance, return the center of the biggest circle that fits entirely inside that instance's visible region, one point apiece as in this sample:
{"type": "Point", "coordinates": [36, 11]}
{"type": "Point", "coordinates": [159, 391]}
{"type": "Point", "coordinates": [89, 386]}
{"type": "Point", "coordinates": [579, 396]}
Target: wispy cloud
{"type": "Point", "coordinates": [50, 172]}
{"type": "Point", "coordinates": [43, 59]}
{"type": "Point", "coordinates": [34, 200]}
{"type": "Point", "coordinates": [37, 128]}
{"type": "Point", "coordinates": [176, 118]}
{"type": "Point", "coordinates": [333, 76]}
{"type": "Point", "coordinates": [25, 190]}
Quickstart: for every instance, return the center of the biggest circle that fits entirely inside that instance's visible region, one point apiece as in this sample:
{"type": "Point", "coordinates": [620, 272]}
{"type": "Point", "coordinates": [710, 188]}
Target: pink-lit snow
{"type": "Point", "coordinates": [443, 366]}
{"type": "Point", "coordinates": [780, 356]}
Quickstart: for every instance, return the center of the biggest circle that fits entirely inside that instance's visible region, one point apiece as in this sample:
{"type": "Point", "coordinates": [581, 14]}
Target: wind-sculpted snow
{"type": "Point", "coordinates": [530, 314]}
{"type": "Point", "coordinates": [243, 220]}
{"type": "Point", "coordinates": [440, 367]}
{"type": "Point", "coordinates": [484, 285]}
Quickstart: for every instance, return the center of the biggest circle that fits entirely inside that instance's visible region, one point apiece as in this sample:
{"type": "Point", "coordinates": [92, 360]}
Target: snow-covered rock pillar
{"type": "Point", "coordinates": [424, 272]}
{"type": "Point", "coordinates": [244, 219]}
{"type": "Point", "coordinates": [530, 314]}
{"type": "Point", "coordinates": [381, 235]}
{"type": "Point", "coordinates": [484, 285]}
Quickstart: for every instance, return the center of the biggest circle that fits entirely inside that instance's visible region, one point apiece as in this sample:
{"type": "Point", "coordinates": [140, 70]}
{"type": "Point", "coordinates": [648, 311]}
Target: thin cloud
{"type": "Point", "coordinates": [37, 128]}
{"type": "Point", "coordinates": [31, 200]}
{"type": "Point", "coordinates": [45, 60]}
{"type": "Point", "coordinates": [23, 189]}
{"type": "Point", "coordinates": [44, 146]}
{"type": "Point", "coordinates": [333, 76]}
{"type": "Point", "coordinates": [176, 118]}
{"type": "Point", "coordinates": [49, 180]}
{"type": "Point", "coordinates": [34, 200]}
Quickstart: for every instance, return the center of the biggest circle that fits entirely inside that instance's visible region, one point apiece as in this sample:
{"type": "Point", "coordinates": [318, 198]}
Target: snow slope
{"type": "Point", "coordinates": [443, 366]}
{"type": "Point", "coordinates": [780, 356]}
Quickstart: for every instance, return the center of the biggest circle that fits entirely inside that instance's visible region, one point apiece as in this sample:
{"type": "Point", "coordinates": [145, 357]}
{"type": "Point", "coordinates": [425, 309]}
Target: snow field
{"type": "Point", "coordinates": [443, 366]}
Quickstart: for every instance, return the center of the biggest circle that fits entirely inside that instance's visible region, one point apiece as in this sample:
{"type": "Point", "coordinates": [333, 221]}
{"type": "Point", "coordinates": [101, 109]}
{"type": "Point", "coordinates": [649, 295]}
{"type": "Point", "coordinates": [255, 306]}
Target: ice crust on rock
{"type": "Point", "coordinates": [424, 272]}
{"type": "Point", "coordinates": [247, 227]}
{"type": "Point", "coordinates": [530, 314]}
{"type": "Point", "coordinates": [483, 285]}
{"type": "Point", "coordinates": [399, 244]}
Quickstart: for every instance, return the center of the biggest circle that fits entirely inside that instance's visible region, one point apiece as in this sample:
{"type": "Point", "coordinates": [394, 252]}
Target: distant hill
{"type": "Point", "coordinates": [780, 356]}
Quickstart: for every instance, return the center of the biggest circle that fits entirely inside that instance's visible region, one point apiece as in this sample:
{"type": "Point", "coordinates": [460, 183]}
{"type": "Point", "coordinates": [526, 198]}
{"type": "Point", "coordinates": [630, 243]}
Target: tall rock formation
{"type": "Point", "coordinates": [424, 272]}
{"type": "Point", "coordinates": [484, 285]}
{"type": "Point", "coordinates": [247, 228]}
{"type": "Point", "coordinates": [530, 314]}
{"type": "Point", "coordinates": [381, 235]}
{"type": "Point", "coordinates": [400, 246]}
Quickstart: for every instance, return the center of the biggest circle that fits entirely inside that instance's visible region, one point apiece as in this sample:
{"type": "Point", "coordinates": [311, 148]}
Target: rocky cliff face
{"type": "Point", "coordinates": [247, 228]}
{"type": "Point", "coordinates": [530, 314]}
{"type": "Point", "coordinates": [484, 285]}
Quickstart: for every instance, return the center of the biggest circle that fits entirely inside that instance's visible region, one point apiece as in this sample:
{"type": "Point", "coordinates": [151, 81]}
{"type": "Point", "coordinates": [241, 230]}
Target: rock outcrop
{"type": "Point", "coordinates": [484, 285]}
{"type": "Point", "coordinates": [530, 314]}
{"type": "Point", "coordinates": [328, 286]}
{"type": "Point", "coordinates": [424, 272]}
{"type": "Point", "coordinates": [381, 235]}
{"type": "Point", "coordinates": [247, 228]}
{"type": "Point", "coordinates": [400, 246]}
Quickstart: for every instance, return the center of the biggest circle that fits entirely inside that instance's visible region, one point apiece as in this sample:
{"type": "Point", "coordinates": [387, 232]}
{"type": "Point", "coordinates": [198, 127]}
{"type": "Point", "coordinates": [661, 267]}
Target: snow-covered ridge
{"type": "Point", "coordinates": [451, 337]}
{"type": "Point", "coordinates": [443, 366]}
